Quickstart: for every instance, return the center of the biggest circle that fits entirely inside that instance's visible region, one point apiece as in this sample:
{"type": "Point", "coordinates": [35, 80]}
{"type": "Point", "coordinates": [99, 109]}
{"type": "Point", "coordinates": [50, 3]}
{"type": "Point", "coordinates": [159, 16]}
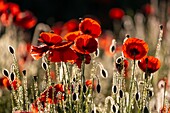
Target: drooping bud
{"type": "Point", "coordinates": [84, 88]}
{"type": "Point", "coordinates": [137, 96]}
{"type": "Point", "coordinates": [120, 93]}
{"type": "Point", "coordinates": [5, 72]}
{"type": "Point", "coordinates": [24, 72]}
{"type": "Point", "coordinates": [103, 73]}
{"type": "Point", "coordinates": [114, 89]}
{"type": "Point", "coordinates": [74, 96]}
{"type": "Point", "coordinates": [12, 76]}
{"type": "Point", "coordinates": [44, 66]}
{"type": "Point", "coordinates": [98, 88]}
{"type": "Point", "coordinates": [11, 49]}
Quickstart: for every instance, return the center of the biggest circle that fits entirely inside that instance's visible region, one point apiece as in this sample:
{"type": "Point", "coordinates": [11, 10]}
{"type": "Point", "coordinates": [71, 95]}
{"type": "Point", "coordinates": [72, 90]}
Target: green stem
{"type": "Point", "coordinates": [131, 87]}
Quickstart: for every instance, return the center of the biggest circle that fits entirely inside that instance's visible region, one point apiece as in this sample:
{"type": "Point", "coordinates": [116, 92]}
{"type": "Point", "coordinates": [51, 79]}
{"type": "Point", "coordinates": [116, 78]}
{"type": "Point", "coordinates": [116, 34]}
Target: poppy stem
{"type": "Point", "coordinates": [82, 82]}
{"type": "Point", "coordinates": [131, 88]}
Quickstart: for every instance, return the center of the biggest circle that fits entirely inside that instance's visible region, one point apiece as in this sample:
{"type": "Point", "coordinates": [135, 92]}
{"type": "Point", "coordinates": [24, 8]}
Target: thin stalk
{"type": "Point", "coordinates": [131, 87]}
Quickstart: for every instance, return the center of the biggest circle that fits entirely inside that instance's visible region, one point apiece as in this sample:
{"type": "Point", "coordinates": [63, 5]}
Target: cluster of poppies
{"type": "Point", "coordinates": [74, 47]}
{"type": "Point", "coordinates": [11, 13]}
{"type": "Point", "coordinates": [136, 49]}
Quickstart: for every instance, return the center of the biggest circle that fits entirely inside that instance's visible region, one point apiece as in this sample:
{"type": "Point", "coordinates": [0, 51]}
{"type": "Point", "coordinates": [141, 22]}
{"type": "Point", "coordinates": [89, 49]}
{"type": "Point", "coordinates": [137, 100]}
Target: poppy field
{"type": "Point", "coordinates": [78, 67]}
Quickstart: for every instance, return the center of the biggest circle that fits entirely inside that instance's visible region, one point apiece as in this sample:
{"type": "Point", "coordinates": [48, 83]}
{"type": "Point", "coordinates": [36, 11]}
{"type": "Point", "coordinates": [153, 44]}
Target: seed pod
{"type": "Point", "coordinates": [120, 93]}
{"type": "Point", "coordinates": [98, 88]}
{"type": "Point", "coordinates": [5, 72]}
{"type": "Point", "coordinates": [84, 88]}
{"type": "Point", "coordinates": [104, 73]}
{"type": "Point", "coordinates": [12, 76]}
{"type": "Point", "coordinates": [11, 49]}
{"type": "Point", "coordinates": [150, 93]}
{"type": "Point", "coordinates": [137, 96]}
{"type": "Point", "coordinates": [92, 111]}
{"type": "Point", "coordinates": [74, 96]}
{"type": "Point", "coordinates": [24, 72]}
{"type": "Point", "coordinates": [114, 89]}
{"type": "Point", "coordinates": [35, 78]}
{"type": "Point", "coordinates": [44, 66]}
{"type": "Point", "coordinates": [145, 110]}
{"type": "Point", "coordinates": [114, 108]}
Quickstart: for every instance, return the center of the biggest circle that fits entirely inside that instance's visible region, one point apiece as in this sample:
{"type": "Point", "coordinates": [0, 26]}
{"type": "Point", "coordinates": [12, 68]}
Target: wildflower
{"type": "Point", "coordinates": [9, 11]}
{"type": "Point", "coordinates": [71, 36]}
{"type": "Point", "coordinates": [57, 27]}
{"type": "Point", "coordinates": [90, 27]}
{"type": "Point", "coordinates": [116, 13]}
{"type": "Point", "coordinates": [149, 64]}
{"type": "Point", "coordinates": [4, 82]}
{"type": "Point", "coordinates": [57, 50]}
{"type": "Point", "coordinates": [85, 44]}
{"type": "Point", "coordinates": [134, 48]}
{"type": "Point", "coordinates": [25, 20]}
{"type": "Point", "coordinates": [50, 38]}
{"type": "Point", "coordinates": [148, 9]}
{"type": "Point", "coordinates": [71, 25]}
{"type": "Point", "coordinates": [38, 51]}
{"type": "Point", "coordinates": [62, 53]}
{"type": "Point", "coordinates": [53, 97]}
{"type": "Point", "coordinates": [89, 83]}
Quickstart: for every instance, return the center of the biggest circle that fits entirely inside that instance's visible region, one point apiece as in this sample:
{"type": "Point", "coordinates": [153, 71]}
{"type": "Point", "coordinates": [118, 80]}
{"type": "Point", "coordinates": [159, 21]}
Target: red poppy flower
{"type": "Point", "coordinates": [85, 44]}
{"type": "Point", "coordinates": [134, 48]}
{"type": "Point", "coordinates": [3, 6]}
{"type": "Point", "coordinates": [38, 51]}
{"type": "Point", "coordinates": [71, 25]}
{"type": "Point", "coordinates": [62, 52]}
{"type": "Point", "coordinates": [89, 83]}
{"type": "Point", "coordinates": [148, 9]}
{"type": "Point", "coordinates": [52, 98]}
{"type": "Point", "coordinates": [80, 59]}
{"type": "Point", "coordinates": [9, 10]}
{"type": "Point", "coordinates": [4, 82]}
{"type": "Point", "coordinates": [90, 27]}
{"type": "Point", "coordinates": [57, 28]}
{"type": "Point", "coordinates": [50, 38]}
{"type": "Point", "coordinates": [149, 64]}
{"type": "Point", "coordinates": [25, 20]}
{"type": "Point", "coordinates": [116, 13]}
{"type": "Point", "coordinates": [71, 36]}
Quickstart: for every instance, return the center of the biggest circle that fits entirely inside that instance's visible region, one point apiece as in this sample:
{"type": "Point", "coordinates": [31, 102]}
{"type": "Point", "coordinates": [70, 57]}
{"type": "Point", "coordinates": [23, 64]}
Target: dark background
{"type": "Point", "coordinates": [50, 11]}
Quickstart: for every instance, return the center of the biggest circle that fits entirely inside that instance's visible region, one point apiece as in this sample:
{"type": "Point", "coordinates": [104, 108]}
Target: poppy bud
{"type": "Point", "coordinates": [74, 79]}
{"type": "Point", "coordinates": [5, 72]}
{"type": "Point", "coordinates": [24, 72]}
{"type": "Point", "coordinates": [114, 89]}
{"type": "Point", "coordinates": [64, 97]}
{"type": "Point", "coordinates": [114, 108]}
{"type": "Point", "coordinates": [98, 88]}
{"type": "Point", "coordinates": [150, 93]}
{"type": "Point", "coordinates": [11, 49]}
{"type": "Point", "coordinates": [104, 73]}
{"type": "Point", "coordinates": [146, 110]}
{"type": "Point", "coordinates": [112, 48]}
{"type": "Point", "coordinates": [44, 66]}
{"type": "Point", "coordinates": [161, 27]}
{"type": "Point", "coordinates": [120, 93]}
{"type": "Point", "coordinates": [137, 96]}
{"type": "Point", "coordinates": [35, 78]}
{"type": "Point", "coordinates": [84, 88]}
{"type": "Point", "coordinates": [92, 111]}
{"type": "Point", "coordinates": [12, 76]}
{"type": "Point", "coordinates": [97, 52]}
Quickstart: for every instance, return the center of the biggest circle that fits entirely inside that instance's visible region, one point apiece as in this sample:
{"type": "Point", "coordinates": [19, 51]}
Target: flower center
{"type": "Point", "coordinates": [134, 52]}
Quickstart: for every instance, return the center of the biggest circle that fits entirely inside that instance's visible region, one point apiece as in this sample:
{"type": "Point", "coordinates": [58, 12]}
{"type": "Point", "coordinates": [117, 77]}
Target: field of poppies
{"type": "Point", "coordinates": [78, 67]}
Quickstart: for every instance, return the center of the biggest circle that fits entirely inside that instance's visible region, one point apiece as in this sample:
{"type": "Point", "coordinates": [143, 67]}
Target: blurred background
{"type": "Point", "coordinates": [51, 11]}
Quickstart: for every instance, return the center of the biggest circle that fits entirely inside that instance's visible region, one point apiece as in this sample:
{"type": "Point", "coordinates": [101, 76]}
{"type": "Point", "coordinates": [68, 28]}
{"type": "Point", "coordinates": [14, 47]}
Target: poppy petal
{"type": "Point", "coordinates": [50, 38]}
{"type": "Point", "coordinates": [38, 51]}
{"type": "Point", "coordinates": [72, 36]}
